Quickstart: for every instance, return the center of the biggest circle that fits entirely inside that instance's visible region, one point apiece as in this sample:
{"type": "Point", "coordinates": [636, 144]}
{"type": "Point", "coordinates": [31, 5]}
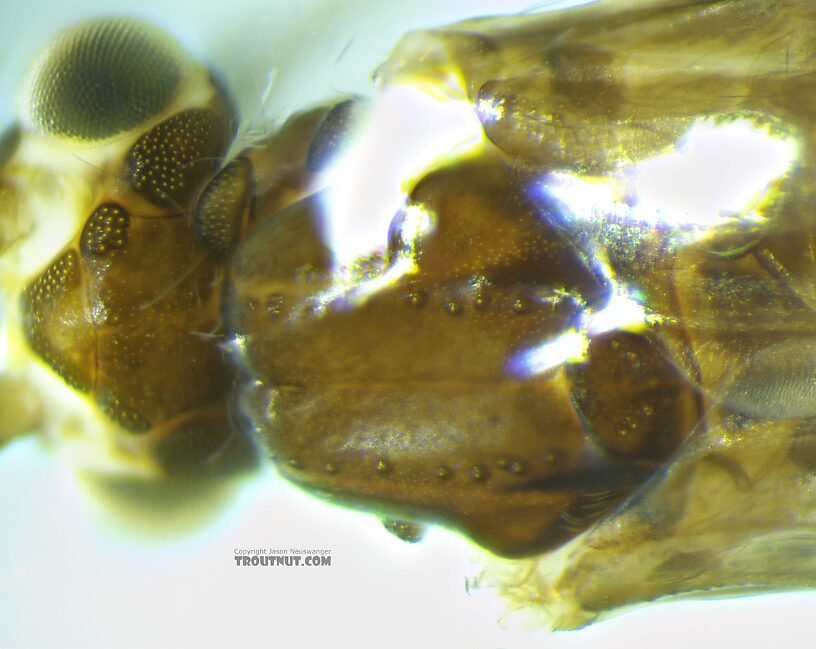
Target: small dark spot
{"type": "Point", "coordinates": [417, 298]}
{"type": "Point", "coordinates": [736, 422]}
{"type": "Point", "coordinates": [626, 426]}
{"type": "Point", "coordinates": [405, 530]}
{"type": "Point", "coordinates": [510, 465]}
{"type": "Point", "coordinates": [549, 458]}
{"type": "Point", "coordinates": [452, 307]}
{"type": "Point", "coordinates": [521, 305]}
{"type": "Point", "coordinates": [443, 472]}
{"type": "Point", "coordinates": [478, 473]}
{"type": "Point", "coordinates": [481, 300]}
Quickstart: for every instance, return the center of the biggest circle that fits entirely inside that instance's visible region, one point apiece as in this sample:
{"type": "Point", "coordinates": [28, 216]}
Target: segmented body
{"type": "Point", "coordinates": [666, 453]}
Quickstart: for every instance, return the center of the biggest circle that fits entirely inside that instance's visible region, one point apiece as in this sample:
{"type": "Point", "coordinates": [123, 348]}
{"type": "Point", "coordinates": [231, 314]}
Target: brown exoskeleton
{"type": "Point", "coordinates": [479, 368]}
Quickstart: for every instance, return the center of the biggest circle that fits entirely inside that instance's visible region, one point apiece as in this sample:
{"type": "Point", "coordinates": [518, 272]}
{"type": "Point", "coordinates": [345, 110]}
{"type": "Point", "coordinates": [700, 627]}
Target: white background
{"type": "Point", "coordinates": [71, 576]}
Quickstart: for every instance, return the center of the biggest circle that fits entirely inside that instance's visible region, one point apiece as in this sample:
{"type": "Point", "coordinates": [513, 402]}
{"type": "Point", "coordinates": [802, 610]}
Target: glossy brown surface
{"type": "Point", "coordinates": [405, 402]}
{"type": "Point", "coordinates": [129, 312]}
{"type": "Point", "coordinates": [428, 381]}
{"type": "Point", "coordinates": [684, 439]}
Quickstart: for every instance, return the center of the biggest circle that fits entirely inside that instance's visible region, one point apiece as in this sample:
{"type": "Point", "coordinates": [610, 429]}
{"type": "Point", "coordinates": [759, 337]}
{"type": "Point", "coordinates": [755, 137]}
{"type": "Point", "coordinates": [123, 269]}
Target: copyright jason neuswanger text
{"type": "Point", "coordinates": [282, 557]}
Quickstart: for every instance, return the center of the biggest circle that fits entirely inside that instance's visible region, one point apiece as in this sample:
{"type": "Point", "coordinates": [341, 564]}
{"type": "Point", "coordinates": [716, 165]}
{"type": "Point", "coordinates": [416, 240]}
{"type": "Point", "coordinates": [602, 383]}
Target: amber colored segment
{"type": "Point", "coordinates": [759, 361]}
{"type": "Point", "coordinates": [280, 161]}
{"type": "Point", "coordinates": [405, 399]}
{"type": "Point", "coordinates": [636, 404]}
{"type": "Point", "coordinates": [171, 162]}
{"type": "Point", "coordinates": [649, 114]}
{"type": "Point", "coordinates": [156, 311]}
{"type": "Point", "coordinates": [268, 176]}
{"type": "Point", "coordinates": [588, 88]}
{"type": "Point", "coordinates": [52, 303]}
{"type": "Point", "coordinates": [489, 227]}
{"type": "Point", "coordinates": [469, 454]}
{"type": "Point", "coordinates": [471, 285]}
{"type": "Point", "coordinates": [573, 134]}
{"type": "Point", "coordinates": [133, 318]}
{"type": "Point", "coordinates": [160, 370]}
{"type": "Point", "coordinates": [400, 389]}
{"type": "Point", "coordinates": [223, 207]}
{"type": "Point", "coordinates": [299, 249]}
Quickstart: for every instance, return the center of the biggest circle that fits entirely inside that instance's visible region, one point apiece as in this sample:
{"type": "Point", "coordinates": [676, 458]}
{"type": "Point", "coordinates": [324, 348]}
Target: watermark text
{"type": "Point", "coordinates": [287, 557]}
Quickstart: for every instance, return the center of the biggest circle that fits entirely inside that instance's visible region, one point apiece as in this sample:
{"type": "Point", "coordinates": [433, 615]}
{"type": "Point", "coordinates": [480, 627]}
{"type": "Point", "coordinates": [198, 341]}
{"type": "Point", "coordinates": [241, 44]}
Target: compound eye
{"type": "Point", "coordinates": [102, 77]}
{"type": "Point", "coordinates": [170, 163]}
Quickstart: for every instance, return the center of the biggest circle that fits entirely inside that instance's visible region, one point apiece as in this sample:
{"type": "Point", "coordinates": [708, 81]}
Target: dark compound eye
{"type": "Point", "coordinates": [105, 230]}
{"type": "Point", "coordinates": [221, 209]}
{"type": "Point", "coordinates": [103, 77]}
{"type": "Point", "coordinates": [169, 164]}
{"type": "Point", "coordinates": [333, 133]}
{"type": "Point", "coordinates": [56, 294]}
